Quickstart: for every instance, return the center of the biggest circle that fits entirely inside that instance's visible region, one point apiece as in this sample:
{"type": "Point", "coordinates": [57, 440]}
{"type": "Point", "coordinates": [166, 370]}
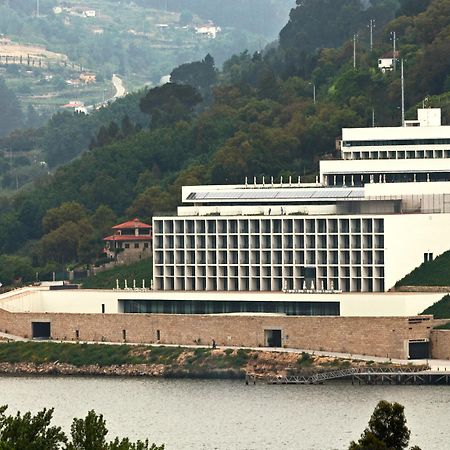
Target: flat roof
{"type": "Point", "coordinates": [304, 194]}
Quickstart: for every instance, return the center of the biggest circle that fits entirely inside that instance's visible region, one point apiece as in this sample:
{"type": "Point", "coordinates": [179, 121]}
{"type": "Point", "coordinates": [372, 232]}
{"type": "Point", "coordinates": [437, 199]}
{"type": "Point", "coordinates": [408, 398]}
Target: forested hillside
{"type": "Point", "coordinates": [255, 117]}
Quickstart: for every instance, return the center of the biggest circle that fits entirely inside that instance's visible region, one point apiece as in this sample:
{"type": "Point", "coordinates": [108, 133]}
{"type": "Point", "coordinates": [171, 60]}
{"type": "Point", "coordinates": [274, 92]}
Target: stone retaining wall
{"type": "Point", "coordinates": [377, 336]}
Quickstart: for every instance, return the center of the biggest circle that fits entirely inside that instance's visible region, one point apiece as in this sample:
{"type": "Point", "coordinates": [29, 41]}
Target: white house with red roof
{"type": "Point", "coordinates": [130, 241]}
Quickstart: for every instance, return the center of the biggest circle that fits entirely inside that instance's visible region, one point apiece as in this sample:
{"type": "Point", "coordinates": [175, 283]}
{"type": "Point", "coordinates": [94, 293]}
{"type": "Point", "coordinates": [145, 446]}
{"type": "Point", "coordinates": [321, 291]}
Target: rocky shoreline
{"type": "Point", "coordinates": [125, 370]}
{"type": "Point", "coordinates": [100, 360]}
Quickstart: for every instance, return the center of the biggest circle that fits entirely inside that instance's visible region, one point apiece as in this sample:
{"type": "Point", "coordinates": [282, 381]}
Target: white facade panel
{"type": "Point", "coordinates": [383, 166]}
{"type": "Point", "coordinates": [90, 301]}
{"type": "Point", "coordinates": [408, 237]}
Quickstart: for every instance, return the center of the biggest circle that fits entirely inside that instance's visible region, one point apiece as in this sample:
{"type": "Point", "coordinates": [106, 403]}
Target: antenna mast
{"type": "Point", "coordinates": [354, 50]}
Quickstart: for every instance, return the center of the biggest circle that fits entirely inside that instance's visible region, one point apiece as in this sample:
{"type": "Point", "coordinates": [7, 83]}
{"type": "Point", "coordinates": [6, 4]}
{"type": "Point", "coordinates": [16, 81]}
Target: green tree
{"type": "Point", "coordinates": [170, 103]}
{"type": "Point", "coordinates": [152, 200]}
{"type": "Point", "coordinates": [11, 116]}
{"type": "Point", "coordinates": [199, 74]}
{"type": "Point", "coordinates": [88, 433]}
{"type": "Point", "coordinates": [27, 432]}
{"type": "Point", "coordinates": [387, 429]}
{"type": "Point", "coordinates": [412, 7]}
{"type": "Point", "coordinates": [66, 212]}
{"type": "Point", "coordinates": [15, 268]}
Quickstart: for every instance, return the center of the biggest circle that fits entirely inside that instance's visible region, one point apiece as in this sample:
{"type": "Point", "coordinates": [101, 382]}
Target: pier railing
{"type": "Point", "coordinates": [391, 375]}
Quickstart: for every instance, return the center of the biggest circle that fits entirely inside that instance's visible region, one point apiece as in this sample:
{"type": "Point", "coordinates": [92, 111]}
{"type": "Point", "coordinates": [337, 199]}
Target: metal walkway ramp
{"type": "Point", "coordinates": [369, 375]}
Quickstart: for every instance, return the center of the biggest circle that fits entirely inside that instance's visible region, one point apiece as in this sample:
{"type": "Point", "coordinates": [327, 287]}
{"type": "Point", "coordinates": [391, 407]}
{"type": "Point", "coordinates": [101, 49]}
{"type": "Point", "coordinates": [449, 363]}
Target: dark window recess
{"type": "Point", "coordinates": [136, 245]}
{"type": "Point", "coordinates": [331, 308]}
{"type": "Point", "coordinates": [396, 142]}
{"type": "Point", "coordinates": [158, 335]}
{"type": "Point", "coordinates": [103, 308]}
{"type": "Point", "coordinates": [41, 330]}
{"type": "Point", "coordinates": [77, 334]}
{"type": "Point", "coordinates": [124, 335]}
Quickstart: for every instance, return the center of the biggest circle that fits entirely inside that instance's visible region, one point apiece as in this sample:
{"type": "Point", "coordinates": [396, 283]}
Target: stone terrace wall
{"type": "Point", "coordinates": [377, 336]}
{"type": "Point", "coordinates": [440, 344]}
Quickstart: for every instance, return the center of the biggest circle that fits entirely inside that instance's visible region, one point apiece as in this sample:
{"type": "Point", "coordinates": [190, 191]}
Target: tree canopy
{"type": "Point", "coordinates": [35, 432]}
{"type": "Point", "coordinates": [387, 429]}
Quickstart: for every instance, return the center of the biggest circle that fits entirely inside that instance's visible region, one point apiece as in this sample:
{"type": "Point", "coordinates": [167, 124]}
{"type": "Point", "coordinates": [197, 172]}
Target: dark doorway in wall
{"type": "Point", "coordinates": [40, 330]}
{"type": "Point", "coordinates": [419, 349]}
{"type": "Point", "coordinates": [272, 338]}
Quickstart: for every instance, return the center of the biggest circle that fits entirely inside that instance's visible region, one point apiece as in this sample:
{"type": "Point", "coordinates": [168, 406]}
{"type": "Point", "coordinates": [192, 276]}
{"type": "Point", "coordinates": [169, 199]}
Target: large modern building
{"type": "Point", "coordinates": [284, 264]}
{"type": "Point", "coordinates": [374, 215]}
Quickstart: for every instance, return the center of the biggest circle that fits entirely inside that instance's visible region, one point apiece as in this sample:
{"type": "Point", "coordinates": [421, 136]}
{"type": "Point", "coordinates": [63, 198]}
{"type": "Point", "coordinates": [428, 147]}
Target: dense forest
{"type": "Point", "coordinates": [256, 116]}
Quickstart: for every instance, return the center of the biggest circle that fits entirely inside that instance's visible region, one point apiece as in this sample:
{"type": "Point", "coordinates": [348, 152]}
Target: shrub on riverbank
{"type": "Point", "coordinates": [75, 354]}
{"type": "Point", "coordinates": [174, 359]}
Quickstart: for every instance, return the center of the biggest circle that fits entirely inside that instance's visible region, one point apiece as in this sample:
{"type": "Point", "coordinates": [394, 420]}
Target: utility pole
{"type": "Point", "coordinates": [314, 91]}
{"type": "Point", "coordinates": [354, 50]}
{"type": "Point", "coordinates": [371, 27]}
{"type": "Point", "coordinates": [394, 53]}
{"type": "Point", "coordinates": [403, 94]}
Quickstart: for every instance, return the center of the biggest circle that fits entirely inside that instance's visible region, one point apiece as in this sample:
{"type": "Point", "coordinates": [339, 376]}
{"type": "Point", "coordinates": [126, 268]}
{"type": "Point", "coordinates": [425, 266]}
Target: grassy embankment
{"type": "Point", "coordinates": [140, 270]}
{"type": "Point", "coordinates": [440, 310]}
{"type": "Point", "coordinates": [143, 360]}
{"type": "Point", "coordinates": [431, 273]}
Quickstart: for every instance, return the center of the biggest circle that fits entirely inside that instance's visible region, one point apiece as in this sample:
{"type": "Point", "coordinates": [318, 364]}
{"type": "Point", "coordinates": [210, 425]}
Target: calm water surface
{"type": "Point", "coordinates": [227, 415]}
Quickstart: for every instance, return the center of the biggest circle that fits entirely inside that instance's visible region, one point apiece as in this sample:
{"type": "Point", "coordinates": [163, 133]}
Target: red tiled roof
{"type": "Point", "coordinates": [119, 237]}
{"type": "Point", "coordinates": [136, 223]}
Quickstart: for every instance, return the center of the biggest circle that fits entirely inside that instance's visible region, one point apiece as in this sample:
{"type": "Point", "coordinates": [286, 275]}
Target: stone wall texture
{"type": "Point", "coordinates": [377, 336]}
{"type": "Point", "coordinates": [440, 344]}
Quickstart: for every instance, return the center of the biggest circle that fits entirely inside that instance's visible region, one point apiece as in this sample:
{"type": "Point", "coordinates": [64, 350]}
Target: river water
{"type": "Point", "coordinates": [228, 415]}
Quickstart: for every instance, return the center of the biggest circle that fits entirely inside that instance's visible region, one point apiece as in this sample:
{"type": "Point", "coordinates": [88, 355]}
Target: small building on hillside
{"type": "Point", "coordinates": [387, 61]}
{"type": "Point", "coordinates": [88, 77]}
{"type": "Point", "coordinates": [129, 242]}
{"type": "Point", "coordinates": [209, 30]}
